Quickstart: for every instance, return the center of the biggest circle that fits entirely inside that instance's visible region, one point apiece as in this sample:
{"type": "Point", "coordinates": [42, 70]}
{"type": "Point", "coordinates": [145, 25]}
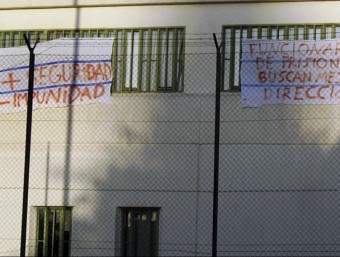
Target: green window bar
{"type": "Point", "coordinates": [148, 60]}
{"type": "Point", "coordinates": [144, 60]}
{"type": "Point", "coordinates": [233, 35]}
{"type": "Point", "coordinates": [53, 231]}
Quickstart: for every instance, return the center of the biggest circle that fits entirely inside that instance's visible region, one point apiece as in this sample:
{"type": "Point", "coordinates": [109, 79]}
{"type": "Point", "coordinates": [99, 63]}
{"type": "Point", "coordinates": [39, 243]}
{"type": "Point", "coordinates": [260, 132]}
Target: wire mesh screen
{"type": "Point", "coordinates": [278, 167]}
{"type": "Point", "coordinates": [127, 169]}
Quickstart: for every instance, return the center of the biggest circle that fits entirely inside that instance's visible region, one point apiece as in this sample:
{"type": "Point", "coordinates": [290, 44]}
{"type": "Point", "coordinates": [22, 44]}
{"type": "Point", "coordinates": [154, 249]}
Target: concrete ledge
{"type": "Point", "coordinates": [47, 4]}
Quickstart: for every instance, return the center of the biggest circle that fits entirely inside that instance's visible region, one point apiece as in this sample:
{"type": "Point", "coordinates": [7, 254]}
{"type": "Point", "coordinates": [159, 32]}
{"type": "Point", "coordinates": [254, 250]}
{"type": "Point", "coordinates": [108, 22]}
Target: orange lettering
{"type": "Point", "coordinates": [286, 92]}
{"type": "Point", "coordinates": [298, 92]}
{"type": "Point", "coordinates": [308, 95]}
{"type": "Point", "coordinates": [319, 91]}
{"type": "Point", "coordinates": [101, 89]}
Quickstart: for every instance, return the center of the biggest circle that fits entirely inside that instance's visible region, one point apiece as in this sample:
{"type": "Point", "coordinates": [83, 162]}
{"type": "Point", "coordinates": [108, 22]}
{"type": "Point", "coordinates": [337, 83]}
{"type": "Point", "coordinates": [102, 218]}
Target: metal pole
{"type": "Point", "coordinates": [28, 146]}
{"type": "Point", "coordinates": [217, 147]}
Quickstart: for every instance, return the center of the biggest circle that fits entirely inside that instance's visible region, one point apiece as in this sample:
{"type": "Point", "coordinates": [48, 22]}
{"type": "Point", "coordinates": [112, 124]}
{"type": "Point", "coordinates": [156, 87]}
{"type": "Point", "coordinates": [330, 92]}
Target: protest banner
{"type": "Point", "coordinates": [290, 72]}
{"type": "Point", "coordinates": [67, 72]}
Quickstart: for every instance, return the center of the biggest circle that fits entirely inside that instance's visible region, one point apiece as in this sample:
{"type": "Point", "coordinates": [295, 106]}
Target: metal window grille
{"type": "Point", "coordinates": [144, 60]}
{"type": "Point", "coordinates": [53, 231]}
{"type": "Point", "coordinates": [140, 231]}
{"type": "Point", "coordinates": [147, 60]}
{"type": "Point", "coordinates": [233, 35]}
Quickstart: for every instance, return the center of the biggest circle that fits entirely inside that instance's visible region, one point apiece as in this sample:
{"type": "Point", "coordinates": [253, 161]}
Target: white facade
{"type": "Point", "coordinates": [278, 164]}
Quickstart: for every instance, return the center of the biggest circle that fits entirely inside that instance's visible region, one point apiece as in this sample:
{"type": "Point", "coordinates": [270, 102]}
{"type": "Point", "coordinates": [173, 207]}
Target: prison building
{"type": "Point", "coordinates": [133, 175]}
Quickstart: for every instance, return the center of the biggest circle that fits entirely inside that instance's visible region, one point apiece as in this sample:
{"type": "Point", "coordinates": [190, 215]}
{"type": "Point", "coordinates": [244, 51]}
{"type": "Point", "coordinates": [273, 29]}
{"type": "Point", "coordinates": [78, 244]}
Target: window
{"type": "Point", "coordinates": [140, 231]}
{"type": "Point", "coordinates": [53, 232]}
{"type": "Point", "coordinates": [233, 35]}
{"type": "Point", "coordinates": [147, 60]}
{"type": "Point", "coordinates": [143, 60]}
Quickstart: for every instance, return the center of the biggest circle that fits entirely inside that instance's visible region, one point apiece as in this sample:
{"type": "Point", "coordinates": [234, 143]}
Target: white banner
{"type": "Point", "coordinates": [290, 72]}
{"type": "Point", "coordinates": [67, 72]}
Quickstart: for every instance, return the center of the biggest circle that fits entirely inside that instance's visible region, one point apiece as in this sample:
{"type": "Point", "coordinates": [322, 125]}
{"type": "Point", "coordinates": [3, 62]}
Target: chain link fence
{"type": "Point", "coordinates": [132, 175]}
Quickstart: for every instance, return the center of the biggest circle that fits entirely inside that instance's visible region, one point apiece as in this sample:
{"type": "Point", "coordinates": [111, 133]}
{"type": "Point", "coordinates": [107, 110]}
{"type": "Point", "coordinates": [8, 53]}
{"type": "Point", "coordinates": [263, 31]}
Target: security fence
{"type": "Point", "coordinates": [122, 156]}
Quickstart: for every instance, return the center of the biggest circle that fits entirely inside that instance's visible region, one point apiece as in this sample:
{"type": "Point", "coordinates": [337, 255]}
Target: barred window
{"type": "Point", "coordinates": [140, 231]}
{"type": "Point", "coordinates": [233, 35]}
{"type": "Point", "coordinates": [53, 231]}
{"type": "Point", "coordinates": [147, 60]}
{"type": "Point", "coordinates": [143, 60]}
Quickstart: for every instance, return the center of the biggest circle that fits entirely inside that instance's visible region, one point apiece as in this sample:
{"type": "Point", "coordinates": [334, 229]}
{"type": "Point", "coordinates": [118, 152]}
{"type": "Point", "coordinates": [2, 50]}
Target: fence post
{"type": "Point", "coordinates": [217, 146]}
{"type": "Point", "coordinates": [28, 145]}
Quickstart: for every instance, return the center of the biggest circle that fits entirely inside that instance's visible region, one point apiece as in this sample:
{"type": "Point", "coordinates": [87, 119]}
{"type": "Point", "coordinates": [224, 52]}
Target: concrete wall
{"type": "Point", "coordinates": [198, 18]}
{"type": "Point", "coordinates": [278, 164]}
{"type": "Point", "coordinates": [39, 4]}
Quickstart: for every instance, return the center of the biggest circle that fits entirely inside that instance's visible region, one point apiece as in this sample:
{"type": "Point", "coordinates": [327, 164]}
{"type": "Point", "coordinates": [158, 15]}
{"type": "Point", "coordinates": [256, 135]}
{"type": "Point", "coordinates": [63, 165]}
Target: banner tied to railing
{"type": "Point", "coordinates": [290, 72]}
{"type": "Point", "coordinates": [67, 72]}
